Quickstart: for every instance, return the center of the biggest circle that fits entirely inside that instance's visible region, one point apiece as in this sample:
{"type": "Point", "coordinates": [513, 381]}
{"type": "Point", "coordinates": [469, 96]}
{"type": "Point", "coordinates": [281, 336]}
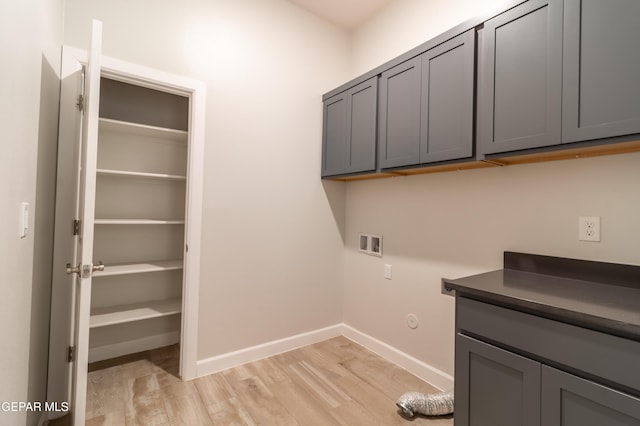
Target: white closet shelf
{"type": "Point", "coordinates": [137, 222]}
{"type": "Point", "coordinates": [126, 173]}
{"type": "Point", "coordinates": [139, 268]}
{"type": "Point", "coordinates": [108, 124]}
{"type": "Point", "coordinates": [103, 317]}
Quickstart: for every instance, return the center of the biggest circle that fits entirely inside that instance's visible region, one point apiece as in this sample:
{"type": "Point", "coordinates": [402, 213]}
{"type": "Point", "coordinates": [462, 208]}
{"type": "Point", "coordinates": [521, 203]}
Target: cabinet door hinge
{"type": "Point", "coordinates": [71, 353]}
{"type": "Point", "coordinates": [76, 227]}
{"type": "Point", "coordinates": [80, 102]}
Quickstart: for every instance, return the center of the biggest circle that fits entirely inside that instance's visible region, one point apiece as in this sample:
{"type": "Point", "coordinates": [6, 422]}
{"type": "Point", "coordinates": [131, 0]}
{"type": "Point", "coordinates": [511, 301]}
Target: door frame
{"type": "Point", "coordinates": [195, 91]}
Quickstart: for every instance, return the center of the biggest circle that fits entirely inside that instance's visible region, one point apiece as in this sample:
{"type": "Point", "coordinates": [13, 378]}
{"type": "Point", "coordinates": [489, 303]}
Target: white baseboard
{"type": "Point", "coordinates": [100, 353]}
{"type": "Point", "coordinates": [265, 350]}
{"type": "Point", "coordinates": [424, 371]}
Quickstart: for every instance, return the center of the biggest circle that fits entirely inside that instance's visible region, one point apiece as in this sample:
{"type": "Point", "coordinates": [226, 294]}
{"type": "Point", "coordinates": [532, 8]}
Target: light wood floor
{"type": "Point", "coordinates": [335, 382]}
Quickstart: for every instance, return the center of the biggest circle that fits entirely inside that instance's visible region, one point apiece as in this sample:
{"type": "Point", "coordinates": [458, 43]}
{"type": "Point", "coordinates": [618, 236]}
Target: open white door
{"type": "Point", "coordinates": [82, 270]}
{"type": "Point", "coordinates": [76, 199]}
{"type": "Point", "coordinates": [70, 295]}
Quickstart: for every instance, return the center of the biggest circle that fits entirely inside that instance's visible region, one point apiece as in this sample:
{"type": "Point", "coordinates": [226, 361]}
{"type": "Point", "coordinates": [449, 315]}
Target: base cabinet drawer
{"type": "Point", "coordinates": [555, 341]}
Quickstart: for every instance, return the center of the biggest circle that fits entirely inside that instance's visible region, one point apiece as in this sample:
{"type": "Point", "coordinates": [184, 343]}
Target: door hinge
{"type": "Point", "coordinates": [71, 353]}
{"type": "Point", "coordinates": [80, 102]}
{"type": "Point", "coordinates": [76, 227]}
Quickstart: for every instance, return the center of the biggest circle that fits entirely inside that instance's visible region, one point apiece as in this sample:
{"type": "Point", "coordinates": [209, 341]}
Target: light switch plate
{"type": "Point", "coordinates": [24, 219]}
{"type": "Point", "coordinates": [387, 271]}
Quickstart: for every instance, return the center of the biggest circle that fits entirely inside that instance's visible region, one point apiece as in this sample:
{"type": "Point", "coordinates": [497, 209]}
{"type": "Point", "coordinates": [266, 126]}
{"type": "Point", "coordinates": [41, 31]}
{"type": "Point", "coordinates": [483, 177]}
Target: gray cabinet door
{"type": "Point", "coordinates": [349, 130]}
{"type": "Point", "coordinates": [399, 131]}
{"type": "Point", "coordinates": [601, 93]}
{"type": "Point", "coordinates": [448, 72]}
{"type": "Point", "coordinates": [362, 114]}
{"type": "Point", "coordinates": [568, 400]}
{"type": "Point", "coordinates": [520, 86]}
{"type": "Point", "coordinates": [494, 387]}
{"type": "Point", "coordinates": [334, 135]}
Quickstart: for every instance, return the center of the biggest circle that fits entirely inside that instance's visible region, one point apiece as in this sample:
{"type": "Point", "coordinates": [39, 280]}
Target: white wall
{"type": "Point", "coordinates": [459, 223]}
{"type": "Point", "coordinates": [274, 262]}
{"type": "Point", "coordinates": [272, 245]}
{"type": "Point", "coordinates": [405, 24]}
{"type": "Point", "coordinates": [30, 38]}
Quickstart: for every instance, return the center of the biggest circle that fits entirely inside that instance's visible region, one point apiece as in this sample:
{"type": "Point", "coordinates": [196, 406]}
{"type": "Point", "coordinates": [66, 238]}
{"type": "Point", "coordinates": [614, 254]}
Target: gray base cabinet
{"type": "Point", "coordinates": [426, 106]}
{"type": "Point", "coordinates": [568, 400]}
{"type": "Point", "coordinates": [495, 387]}
{"type": "Point", "coordinates": [514, 368]}
{"type": "Point", "coordinates": [349, 130]}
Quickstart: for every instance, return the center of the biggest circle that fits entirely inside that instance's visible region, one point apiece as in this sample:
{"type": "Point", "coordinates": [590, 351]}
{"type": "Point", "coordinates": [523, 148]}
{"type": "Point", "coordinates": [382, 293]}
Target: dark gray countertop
{"type": "Point", "coordinates": [614, 309]}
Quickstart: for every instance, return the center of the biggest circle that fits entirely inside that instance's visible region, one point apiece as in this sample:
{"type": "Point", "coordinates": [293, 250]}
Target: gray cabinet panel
{"type": "Point", "coordinates": [349, 130]}
{"type": "Point", "coordinates": [547, 339]}
{"type": "Point", "coordinates": [521, 78]}
{"type": "Point", "coordinates": [334, 135]}
{"type": "Point", "coordinates": [494, 387]}
{"type": "Point", "coordinates": [601, 94]}
{"type": "Point", "coordinates": [447, 100]}
{"type": "Point", "coordinates": [399, 135]}
{"type": "Point", "coordinates": [568, 400]}
{"type": "Point", "coordinates": [362, 118]}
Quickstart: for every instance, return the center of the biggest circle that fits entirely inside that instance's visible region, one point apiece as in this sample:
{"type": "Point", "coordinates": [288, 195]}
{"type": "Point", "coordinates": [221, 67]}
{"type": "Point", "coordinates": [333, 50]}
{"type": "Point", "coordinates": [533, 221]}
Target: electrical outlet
{"type": "Point", "coordinates": [589, 228]}
{"type": "Point", "coordinates": [412, 321]}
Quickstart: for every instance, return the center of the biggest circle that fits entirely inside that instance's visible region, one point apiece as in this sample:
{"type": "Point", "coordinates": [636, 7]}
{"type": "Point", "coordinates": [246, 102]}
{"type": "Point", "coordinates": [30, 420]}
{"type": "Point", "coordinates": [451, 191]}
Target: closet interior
{"type": "Point", "coordinates": [139, 231]}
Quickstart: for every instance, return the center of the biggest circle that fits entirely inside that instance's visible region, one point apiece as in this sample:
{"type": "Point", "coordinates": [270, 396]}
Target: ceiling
{"type": "Point", "coordinates": [345, 14]}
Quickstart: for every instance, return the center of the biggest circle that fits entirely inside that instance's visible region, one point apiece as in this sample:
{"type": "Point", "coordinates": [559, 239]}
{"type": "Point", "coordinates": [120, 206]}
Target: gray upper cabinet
{"type": "Point", "coordinates": [362, 118]}
{"type": "Point", "coordinates": [520, 81]}
{"type": "Point", "coordinates": [601, 93]}
{"type": "Point", "coordinates": [426, 106]}
{"type": "Point", "coordinates": [399, 135]}
{"type": "Point", "coordinates": [349, 130]}
{"type": "Point", "coordinates": [541, 74]}
{"type": "Point", "coordinates": [334, 137]}
{"type": "Point", "coordinates": [448, 72]}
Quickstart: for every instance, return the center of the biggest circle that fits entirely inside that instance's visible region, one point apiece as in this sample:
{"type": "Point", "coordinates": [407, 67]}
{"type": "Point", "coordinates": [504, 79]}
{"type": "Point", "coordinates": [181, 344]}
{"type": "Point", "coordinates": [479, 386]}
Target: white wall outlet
{"type": "Point", "coordinates": [370, 244]}
{"type": "Point", "coordinates": [589, 228]}
{"type": "Point", "coordinates": [376, 245]}
{"type": "Point", "coordinates": [364, 243]}
{"type": "Point", "coordinates": [412, 321]}
{"type": "Point", "coordinates": [387, 271]}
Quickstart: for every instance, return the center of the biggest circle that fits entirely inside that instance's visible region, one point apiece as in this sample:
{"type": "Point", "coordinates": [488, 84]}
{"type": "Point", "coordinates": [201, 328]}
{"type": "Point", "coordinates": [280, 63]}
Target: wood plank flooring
{"type": "Point", "coordinates": [335, 382]}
